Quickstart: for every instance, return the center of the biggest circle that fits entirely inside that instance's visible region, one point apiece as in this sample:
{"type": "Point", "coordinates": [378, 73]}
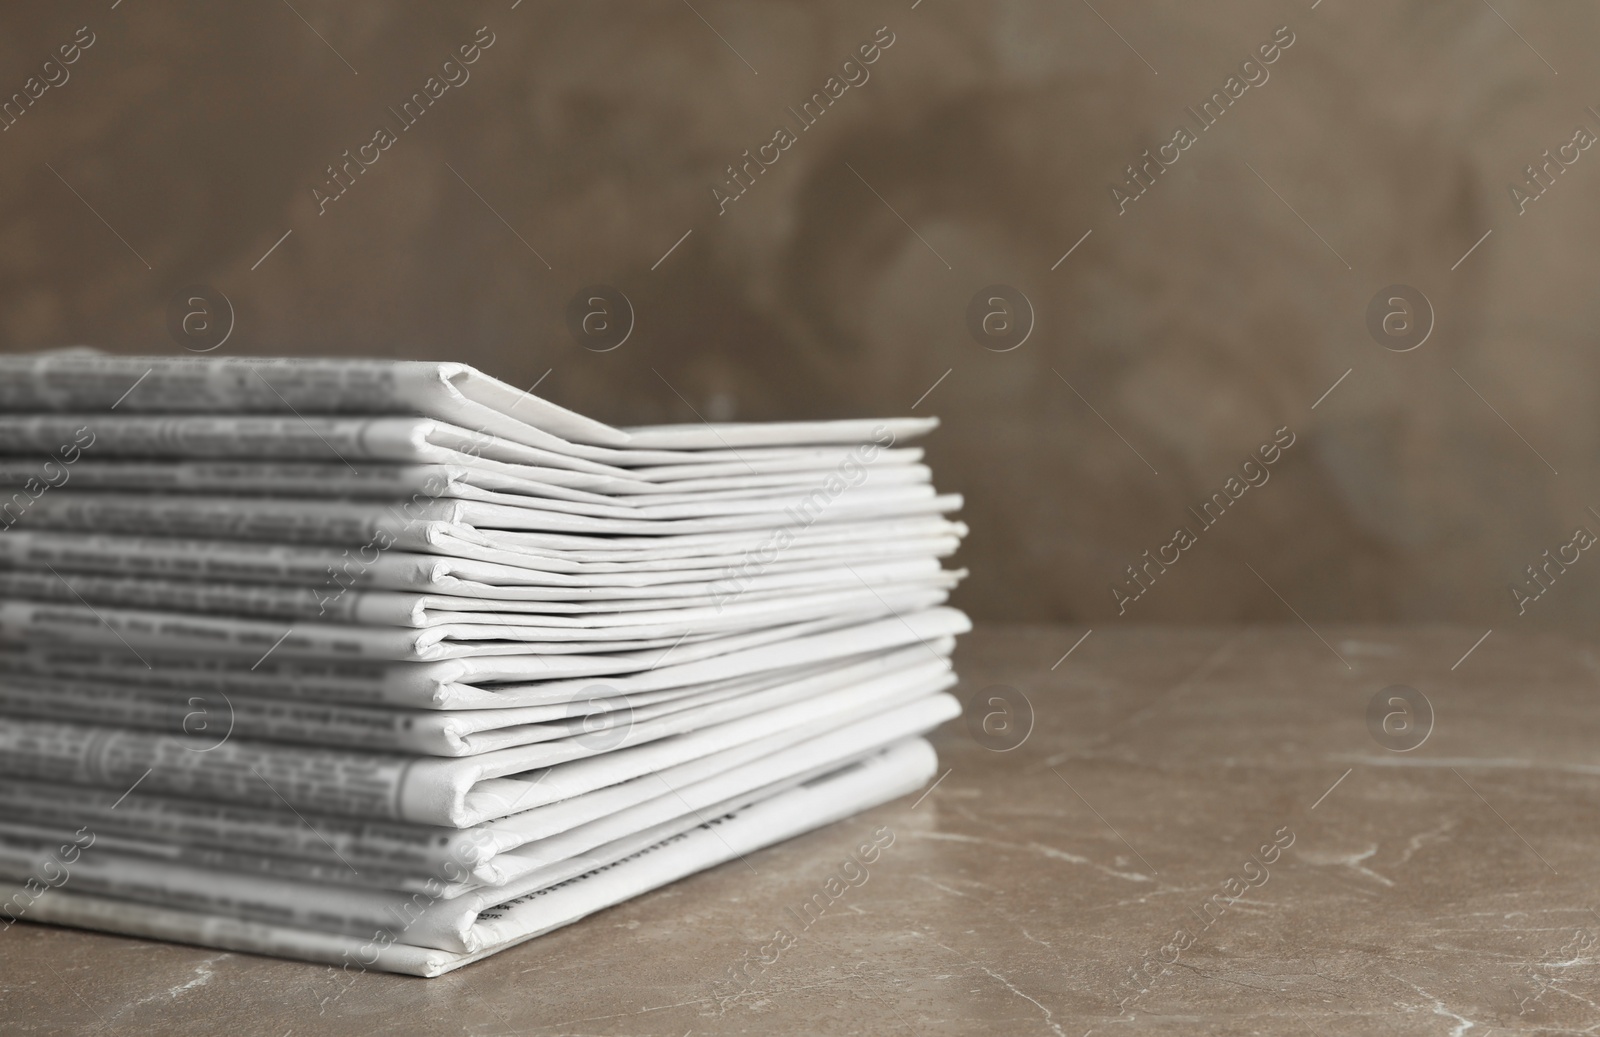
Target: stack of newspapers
{"type": "Point", "coordinates": [393, 665]}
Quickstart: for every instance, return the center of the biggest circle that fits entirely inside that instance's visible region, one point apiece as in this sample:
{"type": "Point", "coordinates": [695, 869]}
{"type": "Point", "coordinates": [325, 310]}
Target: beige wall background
{"type": "Point", "coordinates": [1218, 308]}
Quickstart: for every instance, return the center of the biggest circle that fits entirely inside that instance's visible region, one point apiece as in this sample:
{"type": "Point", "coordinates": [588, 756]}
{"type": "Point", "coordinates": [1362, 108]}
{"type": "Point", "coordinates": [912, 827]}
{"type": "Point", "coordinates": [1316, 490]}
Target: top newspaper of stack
{"type": "Point", "coordinates": [441, 424]}
{"type": "Point", "coordinates": [452, 393]}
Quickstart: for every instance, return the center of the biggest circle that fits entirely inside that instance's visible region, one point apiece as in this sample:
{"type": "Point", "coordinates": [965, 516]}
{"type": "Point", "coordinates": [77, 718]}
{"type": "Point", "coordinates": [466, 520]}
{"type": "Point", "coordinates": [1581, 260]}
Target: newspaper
{"type": "Point", "coordinates": [456, 637]}
{"type": "Point", "coordinates": [402, 481]}
{"type": "Point", "coordinates": [440, 918]}
{"type": "Point", "coordinates": [721, 839]}
{"type": "Point", "coordinates": [381, 441]}
{"type": "Point", "coordinates": [25, 849]}
{"type": "Point", "coordinates": [538, 606]}
{"type": "Point", "coordinates": [189, 873]}
{"type": "Point", "coordinates": [592, 712]}
{"type": "Point", "coordinates": [434, 525]}
{"type": "Point", "coordinates": [372, 848]}
{"type": "Point", "coordinates": [450, 392]}
{"type": "Point", "coordinates": [321, 445]}
{"type": "Point", "coordinates": [489, 682]}
{"type": "Point", "coordinates": [454, 792]}
{"type": "Point", "coordinates": [410, 440]}
{"type": "Point", "coordinates": [511, 660]}
{"type": "Point", "coordinates": [431, 918]}
{"type": "Point", "coordinates": [621, 567]}
{"type": "Point", "coordinates": [539, 593]}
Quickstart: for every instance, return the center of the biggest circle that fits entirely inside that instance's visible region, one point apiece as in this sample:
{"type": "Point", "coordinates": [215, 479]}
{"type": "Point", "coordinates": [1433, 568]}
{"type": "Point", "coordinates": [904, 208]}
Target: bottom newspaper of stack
{"type": "Point", "coordinates": [194, 808]}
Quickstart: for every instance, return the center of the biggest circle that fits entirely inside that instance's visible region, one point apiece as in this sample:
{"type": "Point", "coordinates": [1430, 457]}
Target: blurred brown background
{"type": "Point", "coordinates": [983, 146]}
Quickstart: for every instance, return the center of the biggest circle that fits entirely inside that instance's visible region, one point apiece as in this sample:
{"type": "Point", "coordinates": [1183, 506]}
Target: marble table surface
{"type": "Point", "coordinates": [1202, 831]}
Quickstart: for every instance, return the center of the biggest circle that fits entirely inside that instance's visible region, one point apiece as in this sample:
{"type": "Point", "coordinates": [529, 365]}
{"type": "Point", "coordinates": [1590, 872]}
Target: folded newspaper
{"type": "Point", "coordinates": [391, 665]}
